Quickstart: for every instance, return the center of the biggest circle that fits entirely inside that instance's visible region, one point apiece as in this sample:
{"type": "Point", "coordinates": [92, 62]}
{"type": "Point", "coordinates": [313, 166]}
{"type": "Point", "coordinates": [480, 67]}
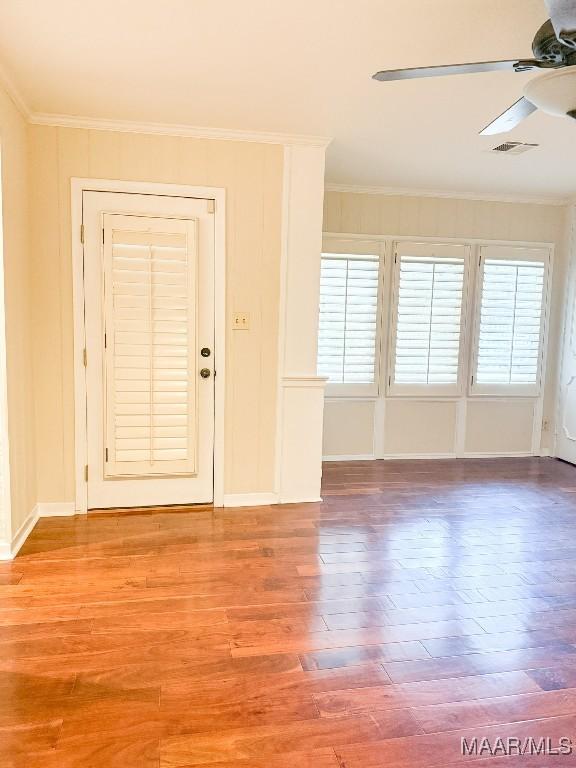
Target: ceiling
{"type": "Point", "coordinates": [303, 67]}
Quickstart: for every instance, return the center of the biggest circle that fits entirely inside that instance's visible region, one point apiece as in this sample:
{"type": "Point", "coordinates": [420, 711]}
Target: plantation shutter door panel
{"type": "Point", "coordinates": [150, 328]}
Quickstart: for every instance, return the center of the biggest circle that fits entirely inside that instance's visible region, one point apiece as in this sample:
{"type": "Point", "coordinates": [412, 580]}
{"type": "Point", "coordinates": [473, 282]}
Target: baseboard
{"type": "Point", "coordinates": [391, 457]}
{"type": "Point", "coordinates": [416, 456]}
{"type": "Point", "coordinates": [9, 551]}
{"type": "Point", "coordinates": [352, 457]}
{"type": "Point", "coordinates": [299, 500]}
{"type": "Point", "coordinates": [5, 550]}
{"type": "Point", "coordinates": [437, 456]}
{"type": "Point", "coordinates": [505, 455]}
{"type": "Point", "coordinates": [250, 499]}
{"type": "Point", "coordinates": [55, 509]}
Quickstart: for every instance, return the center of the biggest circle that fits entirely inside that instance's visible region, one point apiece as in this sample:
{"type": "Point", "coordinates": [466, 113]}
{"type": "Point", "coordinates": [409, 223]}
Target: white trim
{"type": "Point", "coordinates": [9, 551]}
{"type": "Point", "coordinates": [565, 341]}
{"type": "Point", "coordinates": [301, 500]}
{"type": "Point", "coordinates": [436, 456]}
{"type": "Point", "coordinates": [351, 457]}
{"type": "Point", "coordinates": [175, 129]}
{"type": "Point", "coordinates": [463, 397]}
{"type": "Point", "coordinates": [219, 343]}
{"type": "Point", "coordinates": [282, 315]}
{"type": "Point", "coordinates": [55, 509]}
{"type": "Point", "coordinates": [460, 426]}
{"type": "Point", "coordinates": [13, 92]}
{"type": "Point", "coordinates": [432, 250]}
{"type": "Point", "coordinates": [300, 391]}
{"type": "Point", "coordinates": [444, 193]}
{"type": "Point", "coordinates": [366, 247]}
{"type": "Point", "coordinates": [5, 447]}
{"type": "Point", "coordinates": [418, 456]}
{"type": "Point", "coordinates": [218, 194]}
{"type": "Point", "coordinates": [512, 391]}
{"type": "Point", "coordinates": [504, 455]}
{"type": "Point", "coordinates": [250, 499]}
{"type": "Point", "coordinates": [440, 240]}
{"type": "Point", "coordinates": [80, 394]}
{"type": "Point", "coordinates": [356, 398]}
{"type": "Point", "coordinates": [304, 381]}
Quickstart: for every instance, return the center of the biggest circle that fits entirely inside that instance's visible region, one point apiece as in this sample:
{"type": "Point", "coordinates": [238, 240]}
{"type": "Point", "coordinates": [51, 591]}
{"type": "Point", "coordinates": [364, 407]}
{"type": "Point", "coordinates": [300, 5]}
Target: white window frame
{"type": "Point", "coordinates": [361, 247]}
{"type": "Point", "coordinates": [429, 249]}
{"type": "Point", "coordinates": [511, 253]}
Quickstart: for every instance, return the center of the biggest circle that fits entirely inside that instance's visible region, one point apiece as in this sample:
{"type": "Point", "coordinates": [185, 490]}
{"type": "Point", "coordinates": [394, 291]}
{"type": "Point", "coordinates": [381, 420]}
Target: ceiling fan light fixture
{"type": "Point", "coordinates": [554, 93]}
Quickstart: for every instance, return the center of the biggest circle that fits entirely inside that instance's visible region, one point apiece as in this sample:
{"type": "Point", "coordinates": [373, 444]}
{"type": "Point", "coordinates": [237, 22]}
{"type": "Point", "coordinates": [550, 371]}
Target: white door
{"type": "Point", "coordinates": [149, 318]}
{"type": "Point", "coordinates": [566, 430]}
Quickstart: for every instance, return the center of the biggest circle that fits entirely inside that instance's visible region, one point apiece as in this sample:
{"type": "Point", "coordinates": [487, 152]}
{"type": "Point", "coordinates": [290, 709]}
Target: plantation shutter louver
{"type": "Point", "coordinates": [348, 318]}
{"type": "Point", "coordinates": [150, 267]}
{"type": "Point", "coordinates": [428, 315]}
{"type": "Point", "coordinates": [509, 343]}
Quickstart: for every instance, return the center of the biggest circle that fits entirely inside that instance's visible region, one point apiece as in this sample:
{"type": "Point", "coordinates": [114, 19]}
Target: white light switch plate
{"type": "Point", "coordinates": [241, 321]}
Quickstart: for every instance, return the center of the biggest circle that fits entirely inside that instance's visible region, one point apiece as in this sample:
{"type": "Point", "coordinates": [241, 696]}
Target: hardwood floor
{"type": "Point", "coordinates": [420, 603]}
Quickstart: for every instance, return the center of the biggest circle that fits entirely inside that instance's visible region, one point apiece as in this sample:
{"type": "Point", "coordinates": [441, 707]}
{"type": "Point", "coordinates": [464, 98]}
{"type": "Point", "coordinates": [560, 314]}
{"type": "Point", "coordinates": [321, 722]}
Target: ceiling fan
{"type": "Point", "coordinates": [554, 49]}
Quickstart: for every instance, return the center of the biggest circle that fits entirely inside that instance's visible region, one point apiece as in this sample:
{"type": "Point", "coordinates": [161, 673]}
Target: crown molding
{"type": "Point", "coordinates": [170, 129]}
{"type": "Point", "coordinates": [166, 129]}
{"type": "Point", "coordinates": [443, 193]}
{"type": "Point", "coordinates": [13, 92]}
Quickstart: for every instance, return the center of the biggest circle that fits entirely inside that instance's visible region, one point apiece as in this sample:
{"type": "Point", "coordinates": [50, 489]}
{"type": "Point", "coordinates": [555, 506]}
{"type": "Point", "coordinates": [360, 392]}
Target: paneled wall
{"type": "Point", "coordinates": [567, 406]}
{"type": "Point", "coordinates": [253, 176]}
{"type": "Point", "coordinates": [391, 426]}
{"type": "Point", "coordinates": [17, 280]}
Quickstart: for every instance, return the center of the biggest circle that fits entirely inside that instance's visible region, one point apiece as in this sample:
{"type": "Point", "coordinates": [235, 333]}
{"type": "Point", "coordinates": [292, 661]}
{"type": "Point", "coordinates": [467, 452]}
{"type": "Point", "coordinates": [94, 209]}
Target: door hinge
{"type": "Point", "coordinates": [105, 340]}
{"type": "Point", "coordinates": [472, 380]}
{"type": "Point", "coordinates": [85, 357]}
{"type": "Point", "coordinates": [102, 234]}
{"type": "Point", "coordinates": [106, 452]}
{"type": "Point", "coordinates": [211, 206]}
{"type": "Point", "coordinates": [82, 233]}
{"type": "Point", "coordinates": [86, 473]}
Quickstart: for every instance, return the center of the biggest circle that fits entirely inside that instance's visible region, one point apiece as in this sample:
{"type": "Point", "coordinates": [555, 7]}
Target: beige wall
{"type": "Point", "coordinates": [18, 315]}
{"type": "Point", "coordinates": [373, 214]}
{"type": "Point", "coordinates": [252, 175]}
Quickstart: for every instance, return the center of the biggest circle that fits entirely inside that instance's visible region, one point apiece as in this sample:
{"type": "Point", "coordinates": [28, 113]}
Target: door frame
{"type": "Point", "coordinates": [218, 194]}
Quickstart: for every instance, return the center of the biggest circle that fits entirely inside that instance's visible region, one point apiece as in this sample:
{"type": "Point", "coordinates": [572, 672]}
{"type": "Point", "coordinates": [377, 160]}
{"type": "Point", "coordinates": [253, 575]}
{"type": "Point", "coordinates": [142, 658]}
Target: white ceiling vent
{"type": "Point", "coordinates": [513, 148]}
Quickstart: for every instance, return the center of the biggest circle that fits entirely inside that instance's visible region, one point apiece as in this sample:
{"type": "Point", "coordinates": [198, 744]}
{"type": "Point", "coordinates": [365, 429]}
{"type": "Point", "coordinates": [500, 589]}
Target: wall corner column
{"type": "Point", "coordinates": [300, 389]}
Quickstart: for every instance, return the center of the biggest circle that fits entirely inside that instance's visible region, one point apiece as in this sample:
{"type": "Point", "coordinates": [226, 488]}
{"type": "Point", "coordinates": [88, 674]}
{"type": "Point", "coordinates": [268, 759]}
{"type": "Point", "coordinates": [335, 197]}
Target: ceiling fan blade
{"type": "Point", "coordinates": [450, 69]}
{"type": "Point", "coordinates": [511, 118]}
{"type": "Point", "coordinates": [563, 16]}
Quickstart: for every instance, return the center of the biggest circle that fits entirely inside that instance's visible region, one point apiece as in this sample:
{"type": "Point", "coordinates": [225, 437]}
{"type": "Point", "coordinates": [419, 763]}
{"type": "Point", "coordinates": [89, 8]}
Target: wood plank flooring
{"type": "Point", "coordinates": [420, 603]}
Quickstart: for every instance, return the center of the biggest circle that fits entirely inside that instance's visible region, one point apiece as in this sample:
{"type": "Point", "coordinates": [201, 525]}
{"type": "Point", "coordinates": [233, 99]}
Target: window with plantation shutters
{"type": "Point", "coordinates": [427, 317]}
{"type": "Point", "coordinates": [511, 303]}
{"type": "Point", "coordinates": [150, 327]}
{"type": "Point", "coordinates": [348, 331]}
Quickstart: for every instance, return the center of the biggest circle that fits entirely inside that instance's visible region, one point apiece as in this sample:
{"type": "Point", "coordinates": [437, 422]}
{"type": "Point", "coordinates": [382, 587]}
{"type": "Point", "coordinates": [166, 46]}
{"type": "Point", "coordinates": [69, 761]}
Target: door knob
{"type": "Point", "coordinates": [205, 373]}
{"type": "Point", "coordinates": [205, 352]}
